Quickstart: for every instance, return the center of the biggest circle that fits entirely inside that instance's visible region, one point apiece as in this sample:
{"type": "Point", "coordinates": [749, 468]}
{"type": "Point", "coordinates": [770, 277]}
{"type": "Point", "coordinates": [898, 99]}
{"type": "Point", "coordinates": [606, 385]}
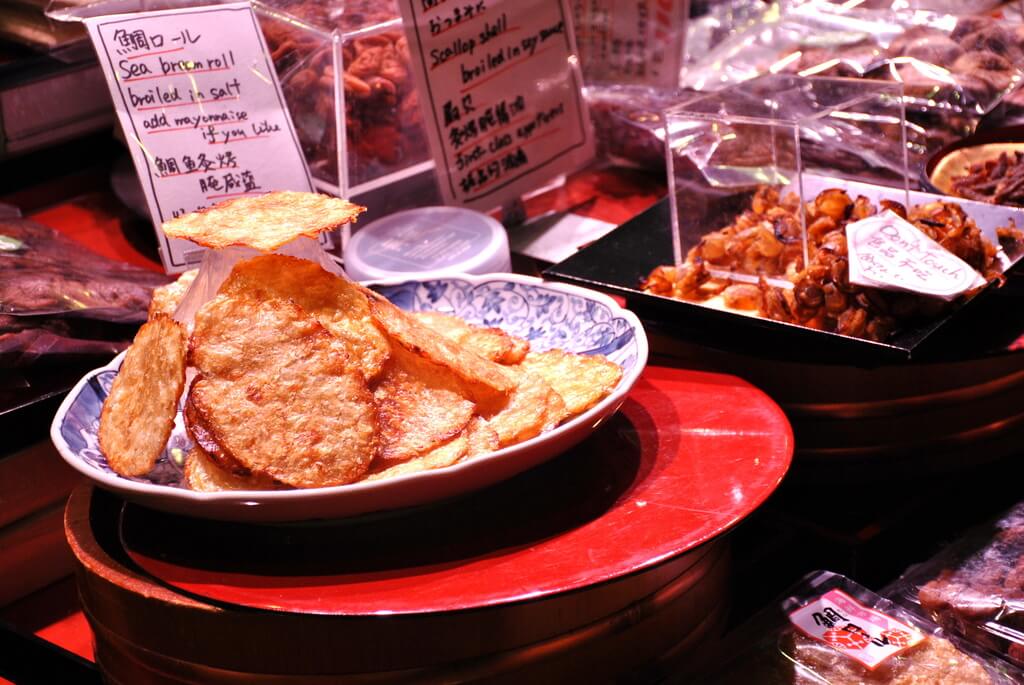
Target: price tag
{"type": "Point", "coordinates": [861, 633]}
{"type": "Point", "coordinates": [632, 41]}
{"type": "Point", "coordinates": [499, 83]}
{"type": "Point", "coordinates": [198, 99]}
{"type": "Point", "coordinates": [890, 253]}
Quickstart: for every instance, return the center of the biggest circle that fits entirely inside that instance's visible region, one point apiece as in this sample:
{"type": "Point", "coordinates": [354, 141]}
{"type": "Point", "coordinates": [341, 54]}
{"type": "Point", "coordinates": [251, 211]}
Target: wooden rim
{"type": "Point", "coordinates": [600, 648]}
{"type": "Point", "coordinates": [130, 605]}
{"type": "Point", "coordinates": [901, 405]}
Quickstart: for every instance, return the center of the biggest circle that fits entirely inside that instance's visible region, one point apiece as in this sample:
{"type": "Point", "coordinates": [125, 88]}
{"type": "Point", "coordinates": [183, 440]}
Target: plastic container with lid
{"type": "Point", "coordinates": [428, 241]}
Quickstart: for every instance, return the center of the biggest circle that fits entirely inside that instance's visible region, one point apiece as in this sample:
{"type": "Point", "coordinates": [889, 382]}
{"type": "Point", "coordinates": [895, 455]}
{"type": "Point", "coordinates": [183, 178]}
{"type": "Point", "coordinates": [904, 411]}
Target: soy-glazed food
{"type": "Point", "coordinates": [766, 242]}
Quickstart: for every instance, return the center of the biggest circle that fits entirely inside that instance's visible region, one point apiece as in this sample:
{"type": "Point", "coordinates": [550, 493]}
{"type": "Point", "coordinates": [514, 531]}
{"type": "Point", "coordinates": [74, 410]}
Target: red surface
{"type": "Point", "coordinates": [97, 221]}
{"type": "Point", "coordinates": [71, 633]}
{"type": "Point", "coordinates": [689, 456]}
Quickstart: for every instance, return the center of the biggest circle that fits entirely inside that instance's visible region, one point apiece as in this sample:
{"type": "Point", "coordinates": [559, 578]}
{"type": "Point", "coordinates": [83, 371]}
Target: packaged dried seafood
{"type": "Point", "coordinates": [974, 588]}
{"type": "Point", "coordinates": [829, 629]}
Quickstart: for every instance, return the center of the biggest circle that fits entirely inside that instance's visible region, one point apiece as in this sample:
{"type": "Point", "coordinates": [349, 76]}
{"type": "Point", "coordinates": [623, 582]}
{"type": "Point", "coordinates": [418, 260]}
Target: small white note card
{"type": "Point", "coordinates": [198, 99]}
{"type": "Point", "coordinates": [890, 253]}
{"type": "Point", "coordinates": [499, 83]}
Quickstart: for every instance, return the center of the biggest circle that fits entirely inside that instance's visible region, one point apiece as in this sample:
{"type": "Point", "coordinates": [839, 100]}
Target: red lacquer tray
{"type": "Point", "coordinates": [689, 455]}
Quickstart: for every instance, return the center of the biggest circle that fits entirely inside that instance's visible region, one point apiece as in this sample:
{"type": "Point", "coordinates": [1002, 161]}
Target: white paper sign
{"type": "Point", "coordinates": [849, 627]}
{"type": "Point", "coordinates": [199, 102]}
{"type": "Point", "coordinates": [632, 41]}
{"type": "Point", "coordinates": [890, 253]}
{"type": "Point", "coordinates": [499, 84]}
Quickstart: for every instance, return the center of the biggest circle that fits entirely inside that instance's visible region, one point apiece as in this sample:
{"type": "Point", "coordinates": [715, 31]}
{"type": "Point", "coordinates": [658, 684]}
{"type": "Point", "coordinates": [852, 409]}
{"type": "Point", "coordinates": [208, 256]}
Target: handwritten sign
{"type": "Point", "coordinates": [201, 108]}
{"type": "Point", "coordinates": [631, 41]}
{"type": "Point", "coordinates": [500, 86]}
{"type": "Point", "coordinates": [888, 252]}
{"type": "Point", "coordinates": [853, 629]}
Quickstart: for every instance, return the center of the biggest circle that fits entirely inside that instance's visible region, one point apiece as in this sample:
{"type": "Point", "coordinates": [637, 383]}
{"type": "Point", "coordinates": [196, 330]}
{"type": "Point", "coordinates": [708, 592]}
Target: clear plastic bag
{"type": "Point", "coordinates": [829, 630]}
{"type": "Point", "coordinates": [31, 341]}
{"type": "Point", "coordinates": [628, 124]}
{"type": "Point", "coordinates": [316, 48]}
{"type": "Point", "coordinates": [975, 587]}
{"type": "Point", "coordinates": [954, 69]}
{"type": "Point", "coordinates": [44, 273]}
{"type": "Point", "coordinates": [217, 265]}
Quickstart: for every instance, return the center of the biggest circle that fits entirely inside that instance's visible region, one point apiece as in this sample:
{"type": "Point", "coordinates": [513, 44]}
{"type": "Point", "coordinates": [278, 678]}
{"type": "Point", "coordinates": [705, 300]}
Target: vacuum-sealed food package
{"type": "Point", "coordinates": [831, 630]}
{"type": "Point", "coordinates": [44, 273]}
{"type": "Point", "coordinates": [954, 69]}
{"type": "Point", "coordinates": [975, 587]}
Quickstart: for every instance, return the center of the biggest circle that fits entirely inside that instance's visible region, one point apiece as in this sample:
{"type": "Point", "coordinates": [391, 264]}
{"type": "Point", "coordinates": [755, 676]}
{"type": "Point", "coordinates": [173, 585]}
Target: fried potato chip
{"type": "Point", "coordinates": [205, 441]}
{"type": "Point", "coordinates": [166, 298]}
{"type": "Point", "coordinates": [138, 415]}
{"type": "Point", "coordinates": [420, 405]}
{"type": "Point", "coordinates": [529, 412]}
{"type": "Point", "coordinates": [446, 454]}
{"type": "Point", "coordinates": [482, 438]}
{"type": "Point", "coordinates": [336, 303]}
{"type": "Point", "coordinates": [483, 380]}
{"type": "Point", "coordinates": [490, 343]}
{"type": "Point", "coordinates": [202, 474]}
{"type": "Point", "coordinates": [292, 407]}
{"type": "Point", "coordinates": [265, 222]}
{"type": "Point", "coordinates": [582, 380]}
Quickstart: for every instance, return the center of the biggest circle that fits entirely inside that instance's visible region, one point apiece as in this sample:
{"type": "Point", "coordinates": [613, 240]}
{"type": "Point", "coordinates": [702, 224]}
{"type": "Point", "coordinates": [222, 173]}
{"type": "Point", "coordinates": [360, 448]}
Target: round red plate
{"type": "Point", "coordinates": [688, 456]}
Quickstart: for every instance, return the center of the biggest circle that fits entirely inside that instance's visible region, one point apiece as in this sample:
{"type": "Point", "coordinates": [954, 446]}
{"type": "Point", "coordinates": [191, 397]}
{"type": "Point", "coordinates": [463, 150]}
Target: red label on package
{"type": "Point", "coordinates": [861, 633]}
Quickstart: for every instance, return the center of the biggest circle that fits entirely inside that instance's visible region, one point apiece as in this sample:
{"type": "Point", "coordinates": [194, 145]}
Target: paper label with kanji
{"type": "Point", "coordinates": [631, 41]}
{"type": "Point", "coordinates": [201, 108]}
{"type": "Point", "coordinates": [500, 87]}
{"type": "Point", "coordinates": [860, 632]}
{"type": "Point", "coordinates": [888, 252]}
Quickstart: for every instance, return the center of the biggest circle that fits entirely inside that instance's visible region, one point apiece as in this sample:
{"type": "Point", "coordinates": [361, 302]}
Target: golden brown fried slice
{"type": "Point", "coordinates": [291, 406]}
{"type": "Point", "coordinates": [138, 415]}
{"type": "Point", "coordinates": [233, 334]}
{"type": "Point", "coordinates": [336, 303]}
{"type": "Point", "coordinates": [166, 298]}
{"type": "Point", "coordinates": [204, 440]}
{"type": "Point", "coordinates": [490, 343]}
{"type": "Point", "coordinates": [483, 380]}
{"type": "Point", "coordinates": [446, 454]}
{"type": "Point", "coordinates": [204, 475]}
{"type": "Point", "coordinates": [265, 222]}
{"type": "Point", "coordinates": [482, 438]}
{"type": "Point", "coordinates": [582, 380]}
{"type": "Point", "coordinates": [420, 405]}
{"type": "Point", "coordinates": [532, 409]}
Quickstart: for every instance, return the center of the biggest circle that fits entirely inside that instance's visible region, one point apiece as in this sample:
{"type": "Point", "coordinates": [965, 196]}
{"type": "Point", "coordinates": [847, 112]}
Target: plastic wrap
{"type": "Point", "coordinates": [33, 341]}
{"type": "Point", "coordinates": [44, 273]}
{"type": "Point", "coordinates": [217, 264]}
{"type": "Point", "coordinates": [628, 42]}
{"type": "Point", "coordinates": [830, 630]}
{"type": "Point", "coordinates": [954, 69]}
{"type": "Point", "coordinates": [975, 587]}
{"type": "Point", "coordinates": [628, 124]}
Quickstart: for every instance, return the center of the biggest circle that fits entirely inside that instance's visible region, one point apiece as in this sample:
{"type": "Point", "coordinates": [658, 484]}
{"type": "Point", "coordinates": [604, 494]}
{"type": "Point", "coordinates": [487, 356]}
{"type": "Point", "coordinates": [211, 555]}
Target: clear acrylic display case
{"type": "Point", "coordinates": [780, 134]}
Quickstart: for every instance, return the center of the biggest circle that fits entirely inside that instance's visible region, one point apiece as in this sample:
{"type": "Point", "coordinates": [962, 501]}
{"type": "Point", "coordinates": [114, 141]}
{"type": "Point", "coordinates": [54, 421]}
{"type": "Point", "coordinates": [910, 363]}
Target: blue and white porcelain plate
{"type": "Point", "coordinates": [549, 315]}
